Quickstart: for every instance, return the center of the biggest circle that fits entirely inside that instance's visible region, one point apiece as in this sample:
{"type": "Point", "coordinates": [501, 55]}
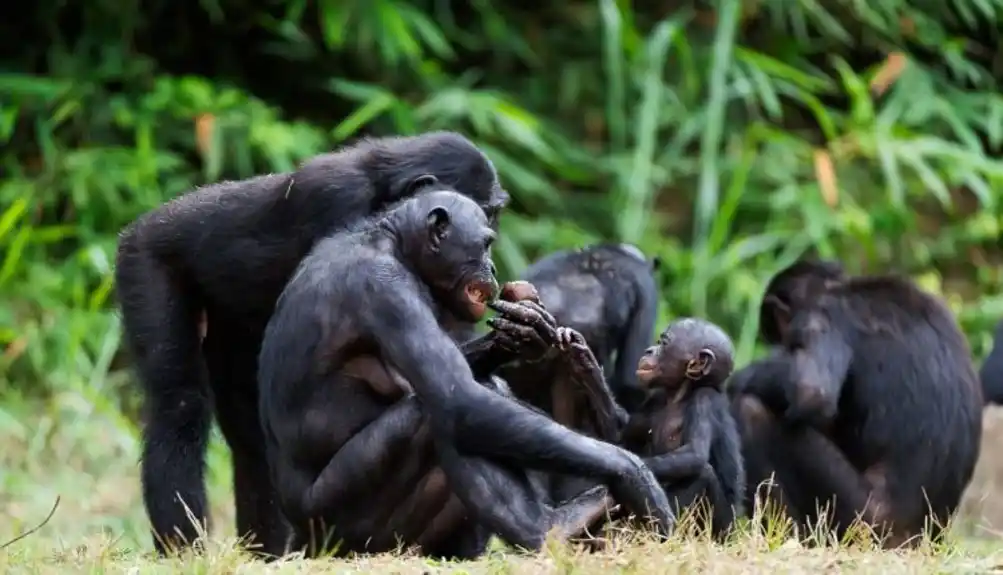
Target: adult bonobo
{"type": "Point", "coordinates": [374, 421]}
{"type": "Point", "coordinates": [226, 251]}
{"type": "Point", "coordinates": [869, 402]}
{"type": "Point", "coordinates": [607, 293]}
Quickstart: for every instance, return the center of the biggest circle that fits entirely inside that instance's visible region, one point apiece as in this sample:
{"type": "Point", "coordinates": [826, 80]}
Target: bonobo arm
{"type": "Point", "coordinates": [485, 356]}
{"type": "Point", "coordinates": [689, 460]}
{"type": "Point", "coordinates": [820, 365]}
{"type": "Point", "coordinates": [801, 384]}
{"type": "Point", "coordinates": [608, 415]}
{"type": "Point", "coordinates": [766, 379]}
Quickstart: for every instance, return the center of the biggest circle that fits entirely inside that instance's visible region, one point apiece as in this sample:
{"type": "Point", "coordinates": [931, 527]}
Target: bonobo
{"type": "Point", "coordinates": [216, 259]}
{"type": "Point", "coordinates": [339, 436]}
{"type": "Point", "coordinates": [991, 372]}
{"type": "Point", "coordinates": [684, 429]}
{"type": "Point", "coordinates": [869, 404]}
{"type": "Point", "coordinates": [608, 293]}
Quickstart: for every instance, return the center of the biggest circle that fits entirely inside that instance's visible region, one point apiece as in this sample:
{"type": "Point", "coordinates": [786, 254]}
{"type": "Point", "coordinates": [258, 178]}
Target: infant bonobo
{"type": "Point", "coordinates": [375, 424]}
{"type": "Point", "coordinates": [684, 429]}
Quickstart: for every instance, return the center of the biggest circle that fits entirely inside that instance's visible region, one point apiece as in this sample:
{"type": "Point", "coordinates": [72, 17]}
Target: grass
{"type": "Point", "coordinates": [89, 459]}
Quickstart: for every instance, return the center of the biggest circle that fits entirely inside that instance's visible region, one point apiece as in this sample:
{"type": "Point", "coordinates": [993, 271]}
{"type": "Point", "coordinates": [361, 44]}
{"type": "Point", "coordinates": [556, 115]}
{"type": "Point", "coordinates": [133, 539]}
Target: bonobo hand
{"type": "Point", "coordinates": [578, 355]}
{"type": "Point", "coordinates": [524, 328]}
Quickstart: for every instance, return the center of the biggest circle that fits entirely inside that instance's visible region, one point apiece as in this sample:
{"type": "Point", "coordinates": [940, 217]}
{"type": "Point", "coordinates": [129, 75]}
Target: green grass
{"type": "Point", "coordinates": [89, 459]}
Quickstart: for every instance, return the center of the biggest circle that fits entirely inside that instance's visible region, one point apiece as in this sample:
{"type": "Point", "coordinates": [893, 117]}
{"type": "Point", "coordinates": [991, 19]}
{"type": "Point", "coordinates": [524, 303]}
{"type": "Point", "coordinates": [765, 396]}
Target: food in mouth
{"type": "Point", "coordinates": [517, 291]}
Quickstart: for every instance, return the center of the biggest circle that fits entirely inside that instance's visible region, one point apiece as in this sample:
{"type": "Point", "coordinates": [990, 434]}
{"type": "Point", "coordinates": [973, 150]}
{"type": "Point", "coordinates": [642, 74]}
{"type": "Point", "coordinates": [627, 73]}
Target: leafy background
{"type": "Point", "coordinates": [725, 137]}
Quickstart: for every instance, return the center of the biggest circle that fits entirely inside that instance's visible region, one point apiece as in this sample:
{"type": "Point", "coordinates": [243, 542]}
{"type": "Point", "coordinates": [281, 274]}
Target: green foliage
{"type": "Point", "coordinates": [727, 138]}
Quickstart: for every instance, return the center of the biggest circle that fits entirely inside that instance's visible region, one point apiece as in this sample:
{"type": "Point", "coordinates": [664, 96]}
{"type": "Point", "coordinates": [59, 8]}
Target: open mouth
{"type": "Point", "coordinates": [478, 295]}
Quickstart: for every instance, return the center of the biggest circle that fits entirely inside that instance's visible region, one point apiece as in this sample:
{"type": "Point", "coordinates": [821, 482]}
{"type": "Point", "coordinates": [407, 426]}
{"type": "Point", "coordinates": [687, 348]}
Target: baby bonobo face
{"type": "Point", "coordinates": [689, 349]}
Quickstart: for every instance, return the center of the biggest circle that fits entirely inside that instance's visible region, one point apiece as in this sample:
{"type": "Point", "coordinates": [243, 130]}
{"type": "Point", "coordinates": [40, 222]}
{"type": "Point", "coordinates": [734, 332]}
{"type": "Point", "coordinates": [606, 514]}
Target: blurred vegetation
{"type": "Point", "coordinates": [727, 138]}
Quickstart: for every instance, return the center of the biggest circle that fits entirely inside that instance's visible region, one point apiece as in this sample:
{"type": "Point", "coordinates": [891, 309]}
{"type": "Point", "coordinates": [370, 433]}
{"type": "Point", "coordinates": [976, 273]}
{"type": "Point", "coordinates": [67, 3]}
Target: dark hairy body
{"type": "Point", "coordinates": [419, 453]}
{"type": "Point", "coordinates": [212, 263]}
{"type": "Point", "coordinates": [869, 403]}
{"type": "Point", "coordinates": [991, 372]}
{"type": "Point", "coordinates": [683, 428]}
{"type": "Point", "coordinates": [607, 293]}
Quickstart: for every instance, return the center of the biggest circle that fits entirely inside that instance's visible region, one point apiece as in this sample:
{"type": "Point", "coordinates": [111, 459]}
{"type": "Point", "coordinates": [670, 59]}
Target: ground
{"type": "Point", "coordinates": [87, 454]}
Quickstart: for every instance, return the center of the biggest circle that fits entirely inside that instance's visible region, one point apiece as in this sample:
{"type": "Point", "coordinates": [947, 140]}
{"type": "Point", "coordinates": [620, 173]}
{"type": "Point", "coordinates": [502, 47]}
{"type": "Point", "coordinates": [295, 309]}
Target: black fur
{"type": "Point", "coordinates": [227, 250]}
{"type": "Point", "coordinates": [869, 398]}
{"type": "Point", "coordinates": [685, 372]}
{"type": "Point", "coordinates": [607, 293]}
{"type": "Point", "coordinates": [348, 457]}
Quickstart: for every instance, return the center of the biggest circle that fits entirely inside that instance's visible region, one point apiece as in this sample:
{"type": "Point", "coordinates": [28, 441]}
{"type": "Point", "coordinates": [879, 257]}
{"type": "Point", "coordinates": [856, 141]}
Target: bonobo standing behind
{"type": "Point", "coordinates": [607, 293]}
{"type": "Point", "coordinates": [226, 251]}
{"type": "Point", "coordinates": [335, 439]}
{"type": "Point", "coordinates": [869, 403]}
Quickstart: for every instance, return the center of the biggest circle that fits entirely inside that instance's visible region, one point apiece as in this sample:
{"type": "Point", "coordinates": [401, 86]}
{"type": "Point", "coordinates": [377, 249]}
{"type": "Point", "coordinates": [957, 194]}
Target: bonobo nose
{"type": "Point", "coordinates": [650, 350]}
{"type": "Point", "coordinates": [491, 266]}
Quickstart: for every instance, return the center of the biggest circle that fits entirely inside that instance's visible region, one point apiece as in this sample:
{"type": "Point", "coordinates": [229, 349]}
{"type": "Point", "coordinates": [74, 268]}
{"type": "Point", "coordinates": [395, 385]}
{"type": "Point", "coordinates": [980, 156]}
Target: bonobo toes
{"type": "Point", "coordinates": [638, 491]}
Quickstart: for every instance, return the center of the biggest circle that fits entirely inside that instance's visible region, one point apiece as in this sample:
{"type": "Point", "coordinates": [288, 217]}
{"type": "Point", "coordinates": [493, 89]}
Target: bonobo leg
{"type": "Point", "coordinates": [382, 452]}
{"type": "Point", "coordinates": [508, 504]}
{"type": "Point", "coordinates": [705, 496]}
{"type": "Point", "coordinates": [231, 361]}
{"type": "Point", "coordinates": [160, 317]}
{"type": "Point", "coordinates": [496, 428]}
{"type": "Point", "coordinates": [816, 473]}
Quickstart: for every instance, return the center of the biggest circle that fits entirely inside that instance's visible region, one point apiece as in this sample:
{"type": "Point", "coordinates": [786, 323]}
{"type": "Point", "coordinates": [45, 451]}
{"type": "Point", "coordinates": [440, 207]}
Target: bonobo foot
{"type": "Point", "coordinates": [574, 516]}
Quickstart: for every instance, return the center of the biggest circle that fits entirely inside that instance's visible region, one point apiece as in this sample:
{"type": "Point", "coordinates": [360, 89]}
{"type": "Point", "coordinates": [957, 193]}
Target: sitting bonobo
{"type": "Point", "coordinates": [378, 433]}
{"type": "Point", "coordinates": [684, 428]}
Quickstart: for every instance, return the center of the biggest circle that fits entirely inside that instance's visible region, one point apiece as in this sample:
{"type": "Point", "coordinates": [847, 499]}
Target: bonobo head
{"type": "Point", "coordinates": [402, 167]}
{"type": "Point", "coordinates": [446, 239]}
{"type": "Point", "coordinates": [689, 350]}
{"type": "Point", "coordinates": [794, 289]}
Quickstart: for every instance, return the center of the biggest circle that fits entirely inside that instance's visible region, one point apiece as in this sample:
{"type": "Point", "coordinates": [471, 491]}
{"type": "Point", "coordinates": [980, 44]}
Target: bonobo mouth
{"type": "Point", "coordinates": [478, 294]}
{"type": "Point", "coordinates": [646, 369]}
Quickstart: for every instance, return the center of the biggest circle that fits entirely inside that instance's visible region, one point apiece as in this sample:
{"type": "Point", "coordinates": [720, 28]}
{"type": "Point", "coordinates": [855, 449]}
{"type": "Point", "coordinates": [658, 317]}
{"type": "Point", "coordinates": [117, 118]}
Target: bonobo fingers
{"type": "Point", "coordinates": [517, 337]}
{"type": "Point", "coordinates": [564, 337]}
{"type": "Point", "coordinates": [524, 313]}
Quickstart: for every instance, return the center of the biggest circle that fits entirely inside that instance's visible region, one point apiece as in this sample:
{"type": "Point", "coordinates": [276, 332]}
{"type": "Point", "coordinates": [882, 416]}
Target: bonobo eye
{"type": "Point", "coordinates": [422, 181]}
{"type": "Point", "coordinates": [656, 263]}
{"type": "Point", "coordinates": [489, 241]}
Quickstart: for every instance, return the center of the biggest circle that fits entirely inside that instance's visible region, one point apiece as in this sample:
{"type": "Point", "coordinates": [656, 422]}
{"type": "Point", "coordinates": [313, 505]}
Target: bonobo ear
{"type": "Point", "coordinates": [422, 181]}
{"type": "Point", "coordinates": [438, 221]}
{"type": "Point", "coordinates": [656, 263]}
{"type": "Point", "coordinates": [699, 368]}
